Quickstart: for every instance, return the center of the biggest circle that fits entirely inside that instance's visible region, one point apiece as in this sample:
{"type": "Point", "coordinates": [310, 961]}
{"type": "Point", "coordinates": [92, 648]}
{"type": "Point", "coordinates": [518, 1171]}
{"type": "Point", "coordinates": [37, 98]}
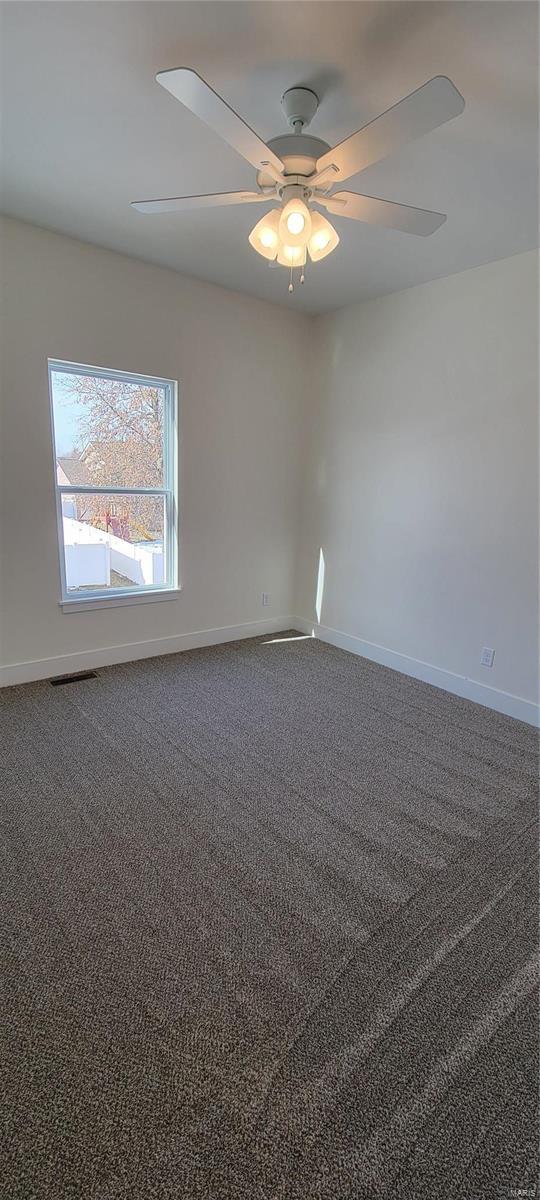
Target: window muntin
{"type": "Point", "coordinates": [114, 438]}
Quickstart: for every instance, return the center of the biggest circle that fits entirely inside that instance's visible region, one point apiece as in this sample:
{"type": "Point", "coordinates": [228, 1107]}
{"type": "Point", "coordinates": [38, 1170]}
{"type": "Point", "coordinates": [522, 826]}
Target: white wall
{"type": "Point", "coordinates": [398, 436]}
{"type": "Point", "coordinates": [421, 484]}
{"type": "Point", "coordinates": [239, 363]}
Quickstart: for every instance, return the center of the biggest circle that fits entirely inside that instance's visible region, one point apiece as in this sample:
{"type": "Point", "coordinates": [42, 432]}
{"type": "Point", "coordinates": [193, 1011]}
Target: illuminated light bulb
{"type": "Point", "coordinates": [291, 256]}
{"type": "Point", "coordinates": [320, 240]}
{"type": "Point", "coordinates": [324, 238]}
{"type": "Point", "coordinates": [268, 238]}
{"type": "Point", "coordinates": [295, 222]}
{"type": "Point", "coordinates": [264, 235]}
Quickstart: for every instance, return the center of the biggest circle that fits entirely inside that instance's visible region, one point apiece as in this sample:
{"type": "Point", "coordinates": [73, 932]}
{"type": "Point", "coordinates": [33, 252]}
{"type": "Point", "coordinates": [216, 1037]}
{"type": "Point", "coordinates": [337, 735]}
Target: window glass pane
{"type": "Point", "coordinates": [113, 541]}
{"type": "Point", "coordinates": [108, 432]}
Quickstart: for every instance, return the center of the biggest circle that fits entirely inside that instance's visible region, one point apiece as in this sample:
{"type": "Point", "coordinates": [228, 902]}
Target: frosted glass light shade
{"type": "Point", "coordinates": [264, 236]}
{"type": "Point", "coordinates": [291, 256]}
{"type": "Point", "coordinates": [295, 223]}
{"type": "Point", "coordinates": [324, 238]}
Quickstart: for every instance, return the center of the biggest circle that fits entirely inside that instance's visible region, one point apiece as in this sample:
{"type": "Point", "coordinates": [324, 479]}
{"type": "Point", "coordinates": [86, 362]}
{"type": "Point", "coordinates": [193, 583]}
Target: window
{"type": "Point", "coordinates": [115, 451]}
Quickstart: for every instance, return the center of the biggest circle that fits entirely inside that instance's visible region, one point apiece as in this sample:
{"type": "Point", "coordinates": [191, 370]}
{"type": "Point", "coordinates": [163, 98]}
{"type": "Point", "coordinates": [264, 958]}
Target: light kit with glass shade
{"type": "Point", "coordinates": [297, 171]}
{"type": "Point", "coordinates": [288, 235]}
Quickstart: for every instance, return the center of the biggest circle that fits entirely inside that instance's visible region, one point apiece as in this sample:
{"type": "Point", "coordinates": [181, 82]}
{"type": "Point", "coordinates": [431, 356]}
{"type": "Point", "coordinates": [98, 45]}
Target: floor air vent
{"type": "Point", "coordinates": [61, 679]}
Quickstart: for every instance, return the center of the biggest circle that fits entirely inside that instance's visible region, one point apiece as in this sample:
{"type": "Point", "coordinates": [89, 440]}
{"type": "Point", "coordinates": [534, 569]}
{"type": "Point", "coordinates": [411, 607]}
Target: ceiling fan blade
{"type": "Point", "coordinates": [211, 200]}
{"type": "Point", "coordinates": [383, 212]}
{"type": "Point", "coordinates": [192, 91]}
{"type": "Point", "coordinates": [429, 106]}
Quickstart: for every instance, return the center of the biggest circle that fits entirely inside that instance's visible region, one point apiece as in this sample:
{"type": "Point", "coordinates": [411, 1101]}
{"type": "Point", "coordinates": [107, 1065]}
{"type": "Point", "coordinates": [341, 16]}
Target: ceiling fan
{"type": "Point", "coordinates": [297, 170]}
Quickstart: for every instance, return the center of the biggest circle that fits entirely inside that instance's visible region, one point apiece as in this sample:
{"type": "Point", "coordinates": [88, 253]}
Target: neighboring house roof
{"type": "Point", "coordinates": [73, 469]}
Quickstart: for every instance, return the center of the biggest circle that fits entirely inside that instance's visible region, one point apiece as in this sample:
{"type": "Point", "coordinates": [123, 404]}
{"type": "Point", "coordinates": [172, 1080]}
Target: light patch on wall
{"type": "Point", "coordinates": [320, 586]}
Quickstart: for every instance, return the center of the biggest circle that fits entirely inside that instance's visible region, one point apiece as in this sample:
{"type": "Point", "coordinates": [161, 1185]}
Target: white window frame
{"type": "Point", "coordinates": [139, 593]}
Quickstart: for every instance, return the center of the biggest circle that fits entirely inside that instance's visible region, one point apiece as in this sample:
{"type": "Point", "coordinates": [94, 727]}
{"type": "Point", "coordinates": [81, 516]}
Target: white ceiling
{"type": "Point", "coordinates": [87, 129]}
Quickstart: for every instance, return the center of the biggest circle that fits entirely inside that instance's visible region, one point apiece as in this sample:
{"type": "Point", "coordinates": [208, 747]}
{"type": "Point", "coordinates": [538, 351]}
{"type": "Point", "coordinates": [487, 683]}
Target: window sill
{"type": "Point", "coordinates": [84, 603]}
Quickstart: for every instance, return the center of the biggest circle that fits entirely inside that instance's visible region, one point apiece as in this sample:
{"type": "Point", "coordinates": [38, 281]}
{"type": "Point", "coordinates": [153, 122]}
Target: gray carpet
{"type": "Point", "coordinates": [269, 921]}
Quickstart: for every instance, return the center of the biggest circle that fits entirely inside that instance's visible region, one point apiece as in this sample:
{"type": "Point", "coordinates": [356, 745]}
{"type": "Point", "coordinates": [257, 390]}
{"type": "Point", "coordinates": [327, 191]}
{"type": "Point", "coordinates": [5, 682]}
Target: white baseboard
{"type": "Point", "coordinates": [449, 681]}
{"type": "Point", "coordinates": [88, 660]}
{"type": "Point", "coordinates": [459, 685]}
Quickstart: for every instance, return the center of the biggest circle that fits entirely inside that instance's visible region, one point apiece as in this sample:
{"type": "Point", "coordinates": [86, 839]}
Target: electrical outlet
{"type": "Point", "coordinates": [487, 656]}
{"type": "Point", "coordinates": [265, 599]}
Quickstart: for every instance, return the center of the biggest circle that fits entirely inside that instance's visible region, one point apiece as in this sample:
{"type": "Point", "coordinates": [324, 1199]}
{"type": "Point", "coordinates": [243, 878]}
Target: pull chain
{"type": "Point", "coordinates": [291, 285]}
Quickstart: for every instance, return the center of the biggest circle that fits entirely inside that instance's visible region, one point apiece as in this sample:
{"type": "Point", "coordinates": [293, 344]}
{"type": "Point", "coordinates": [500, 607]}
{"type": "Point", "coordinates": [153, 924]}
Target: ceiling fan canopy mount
{"type": "Point", "coordinates": [299, 105]}
{"type": "Point", "coordinates": [298, 170]}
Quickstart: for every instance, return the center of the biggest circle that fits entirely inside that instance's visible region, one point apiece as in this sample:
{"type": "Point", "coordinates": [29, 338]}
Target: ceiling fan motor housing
{"type": "Point", "coordinates": [298, 152]}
